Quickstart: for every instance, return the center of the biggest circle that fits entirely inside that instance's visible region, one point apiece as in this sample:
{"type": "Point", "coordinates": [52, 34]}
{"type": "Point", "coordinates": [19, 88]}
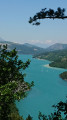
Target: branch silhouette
{"type": "Point", "coordinates": [47, 14]}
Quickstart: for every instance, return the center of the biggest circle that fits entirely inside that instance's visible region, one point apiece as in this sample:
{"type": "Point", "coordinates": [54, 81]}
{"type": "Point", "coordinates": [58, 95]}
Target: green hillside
{"type": "Point", "coordinates": [58, 59]}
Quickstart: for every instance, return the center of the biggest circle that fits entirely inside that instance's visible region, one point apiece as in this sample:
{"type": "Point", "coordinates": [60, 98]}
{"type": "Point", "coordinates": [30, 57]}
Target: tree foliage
{"type": "Point", "coordinates": [10, 66]}
{"type": "Point", "coordinates": [60, 108]}
{"type": "Point", "coordinates": [51, 14]}
{"type": "Point", "coordinates": [12, 84]}
{"type": "Point", "coordinates": [64, 75]}
{"type": "Point", "coordinates": [14, 88]}
{"type": "Point", "coordinates": [29, 118]}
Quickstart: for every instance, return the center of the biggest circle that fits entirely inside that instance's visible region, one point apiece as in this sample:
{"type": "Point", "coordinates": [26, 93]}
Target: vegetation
{"type": "Point", "coordinates": [13, 87]}
{"type": "Point", "coordinates": [57, 58]}
{"type": "Point", "coordinates": [64, 75]}
{"type": "Point", "coordinates": [60, 113]}
{"type": "Point", "coordinates": [12, 84]}
{"type": "Point", "coordinates": [45, 14]}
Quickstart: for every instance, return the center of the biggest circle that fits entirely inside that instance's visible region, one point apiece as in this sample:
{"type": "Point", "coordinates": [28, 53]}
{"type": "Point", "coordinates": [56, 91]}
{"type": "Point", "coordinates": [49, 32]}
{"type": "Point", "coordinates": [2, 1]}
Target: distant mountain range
{"type": "Point", "coordinates": [32, 49]}
{"type": "Point", "coordinates": [23, 48]}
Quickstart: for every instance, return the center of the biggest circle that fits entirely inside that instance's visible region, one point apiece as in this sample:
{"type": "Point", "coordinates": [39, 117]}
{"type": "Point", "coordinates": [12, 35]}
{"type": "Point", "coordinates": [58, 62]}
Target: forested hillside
{"type": "Point", "coordinates": [58, 58]}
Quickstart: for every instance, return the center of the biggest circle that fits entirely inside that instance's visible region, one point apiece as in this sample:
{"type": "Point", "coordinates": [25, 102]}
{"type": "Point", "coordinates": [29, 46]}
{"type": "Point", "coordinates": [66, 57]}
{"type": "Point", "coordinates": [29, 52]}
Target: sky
{"type": "Point", "coordinates": [14, 26]}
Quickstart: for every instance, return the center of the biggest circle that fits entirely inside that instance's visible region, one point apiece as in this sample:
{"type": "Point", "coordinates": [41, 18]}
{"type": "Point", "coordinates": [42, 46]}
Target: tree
{"type": "Point", "coordinates": [45, 14]}
{"type": "Point", "coordinates": [60, 108]}
{"type": "Point", "coordinates": [10, 66]}
{"type": "Point", "coordinates": [29, 118]}
{"type": "Point", "coordinates": [12, 84]}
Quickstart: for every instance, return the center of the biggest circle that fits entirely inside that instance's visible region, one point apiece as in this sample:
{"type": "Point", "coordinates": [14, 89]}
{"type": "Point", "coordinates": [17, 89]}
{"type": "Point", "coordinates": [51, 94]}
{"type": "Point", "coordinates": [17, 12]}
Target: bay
{"type": "Point", "coordinates": [49, 88]}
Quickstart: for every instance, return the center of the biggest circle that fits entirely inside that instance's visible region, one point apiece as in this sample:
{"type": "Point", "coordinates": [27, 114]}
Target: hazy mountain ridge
{"type": "Point", "coordinates": [57, 46]}
{"type": "Point", "coordinates": [32, 49]}
{"type": "Point", "coordinates": [22, 48]}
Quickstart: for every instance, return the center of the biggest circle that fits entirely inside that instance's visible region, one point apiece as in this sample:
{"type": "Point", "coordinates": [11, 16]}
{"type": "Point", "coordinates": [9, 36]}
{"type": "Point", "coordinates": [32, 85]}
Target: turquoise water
{"type": "Point", "coordinates": [49, 88]}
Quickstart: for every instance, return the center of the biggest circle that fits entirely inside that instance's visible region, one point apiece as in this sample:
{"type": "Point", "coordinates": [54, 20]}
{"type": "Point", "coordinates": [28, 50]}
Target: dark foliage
{"type": "Point", "coordinates": [64, 75]}
{"type": "Point", "coordinates": [12, 84]}
{"type": "Point", "coordinates": [51, 14]}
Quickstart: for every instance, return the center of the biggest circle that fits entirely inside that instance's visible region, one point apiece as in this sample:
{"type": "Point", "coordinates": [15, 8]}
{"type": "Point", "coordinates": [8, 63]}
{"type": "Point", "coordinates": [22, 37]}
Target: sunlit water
{"type": "Point", "coordinates": [49, 88]}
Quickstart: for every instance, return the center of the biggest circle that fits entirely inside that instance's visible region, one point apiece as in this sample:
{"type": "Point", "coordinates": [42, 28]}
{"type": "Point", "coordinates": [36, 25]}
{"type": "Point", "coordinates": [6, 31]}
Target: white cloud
{"type": "Point", "coordinates": [47, 42]}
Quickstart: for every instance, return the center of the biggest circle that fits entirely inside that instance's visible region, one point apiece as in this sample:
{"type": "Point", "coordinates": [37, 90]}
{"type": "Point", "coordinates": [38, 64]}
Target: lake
{"type": "Point", "coordinates": [49, 88]}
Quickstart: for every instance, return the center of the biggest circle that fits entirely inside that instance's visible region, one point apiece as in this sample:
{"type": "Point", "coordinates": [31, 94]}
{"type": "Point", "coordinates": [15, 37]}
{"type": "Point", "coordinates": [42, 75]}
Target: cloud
{"type": "Point", "coordinates": [41, 42]}
{"type": "Point", "coordinates": [48, 42]}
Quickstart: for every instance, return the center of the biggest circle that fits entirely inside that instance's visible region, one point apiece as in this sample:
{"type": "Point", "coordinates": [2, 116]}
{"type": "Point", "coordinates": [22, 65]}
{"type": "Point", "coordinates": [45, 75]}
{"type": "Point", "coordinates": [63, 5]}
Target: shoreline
{"type": "Point", "coordinates": [47, 65]}
{"type": "Point", "coordinates": [40, 59]}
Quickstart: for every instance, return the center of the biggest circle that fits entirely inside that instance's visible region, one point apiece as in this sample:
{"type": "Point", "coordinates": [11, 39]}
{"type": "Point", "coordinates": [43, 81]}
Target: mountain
{"type": "Point", "coordinates": [32, 49]}
{"type": "Point", "coordinates": [23, 48]}
{"type": "Point", "coordinates": [57, 46]}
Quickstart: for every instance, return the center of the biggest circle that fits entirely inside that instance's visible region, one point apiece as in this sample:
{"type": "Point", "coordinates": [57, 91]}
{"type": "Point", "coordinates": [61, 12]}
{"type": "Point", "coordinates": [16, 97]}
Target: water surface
{"type": "Point", "coordinates": [49, 88]}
